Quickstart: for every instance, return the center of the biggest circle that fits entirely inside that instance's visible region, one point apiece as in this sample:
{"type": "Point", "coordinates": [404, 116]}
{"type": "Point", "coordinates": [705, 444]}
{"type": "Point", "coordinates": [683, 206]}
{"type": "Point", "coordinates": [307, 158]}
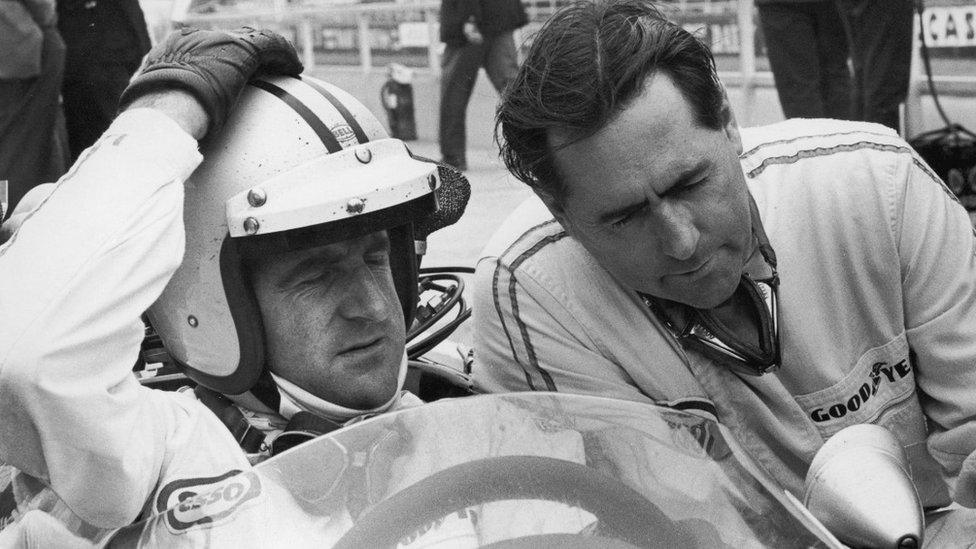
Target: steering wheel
{"type": "Point", "coordinates": [621, 511]}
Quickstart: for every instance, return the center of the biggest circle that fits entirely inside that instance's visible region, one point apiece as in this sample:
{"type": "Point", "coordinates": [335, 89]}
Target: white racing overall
{"type": "Point", "coordinates": [877, 311]}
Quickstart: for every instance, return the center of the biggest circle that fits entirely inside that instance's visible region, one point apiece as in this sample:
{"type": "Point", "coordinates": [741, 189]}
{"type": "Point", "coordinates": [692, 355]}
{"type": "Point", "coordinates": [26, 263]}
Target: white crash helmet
{"type": "Point", "coordinates": [300, 163]}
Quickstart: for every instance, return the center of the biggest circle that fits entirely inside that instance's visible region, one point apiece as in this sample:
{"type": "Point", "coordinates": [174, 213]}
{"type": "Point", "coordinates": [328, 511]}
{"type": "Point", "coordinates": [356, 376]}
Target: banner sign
{"type": "Point", "coordinates": [949, 26]}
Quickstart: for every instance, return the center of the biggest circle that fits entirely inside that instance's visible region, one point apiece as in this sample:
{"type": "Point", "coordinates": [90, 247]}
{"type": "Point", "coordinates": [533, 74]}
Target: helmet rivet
{"type": "Point", "coordinates": [364, 155]}
{"type": "Point", "coordinates": [251, 225]}
{"type": "Point", "coordinates": [355, 205]}
{"type": "Point", "coordinates": [256, 197]}
{"type": "Point", "coordinates": [432, 181]}
{"type": "Point", "coordinates": [192, 321]}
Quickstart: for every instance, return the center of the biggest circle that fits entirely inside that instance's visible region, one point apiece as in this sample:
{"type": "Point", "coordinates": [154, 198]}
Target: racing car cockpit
{"type": "Point", "coordinates": [514, 470]}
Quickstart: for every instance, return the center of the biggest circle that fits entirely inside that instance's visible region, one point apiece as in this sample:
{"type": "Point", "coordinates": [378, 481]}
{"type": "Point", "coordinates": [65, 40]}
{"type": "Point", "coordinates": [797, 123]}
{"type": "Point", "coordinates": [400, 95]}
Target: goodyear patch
{"type": "Point", "coordinates": [207, 501]}
{"type": "Point", "coordinates": [882, 379]}
{"type": "Point", "coordinates": [881, 374]}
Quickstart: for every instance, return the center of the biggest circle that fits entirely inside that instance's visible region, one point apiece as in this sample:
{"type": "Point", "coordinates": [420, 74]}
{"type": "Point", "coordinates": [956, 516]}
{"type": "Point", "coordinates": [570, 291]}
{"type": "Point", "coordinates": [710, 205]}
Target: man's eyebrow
{"type": "Point", "coordinates": [689, 173]}
{"type": "Point", "coordinates": [693, 171]}
{"type": "Point", "coordinates": [313, 262]}
{"type": "Point", "coordinates": [620, 213]}
{"type": "Point", "coordinates": [294, 273]}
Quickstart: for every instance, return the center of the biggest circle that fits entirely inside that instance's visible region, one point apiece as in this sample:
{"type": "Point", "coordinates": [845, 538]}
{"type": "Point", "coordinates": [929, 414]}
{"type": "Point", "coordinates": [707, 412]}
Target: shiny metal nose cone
{"type": "Point", "coordinates": [860, 488]}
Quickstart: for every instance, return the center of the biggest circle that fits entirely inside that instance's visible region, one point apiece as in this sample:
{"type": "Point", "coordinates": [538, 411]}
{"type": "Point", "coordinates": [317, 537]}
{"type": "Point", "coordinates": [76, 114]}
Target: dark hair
{"type": "Point", "coordinates": [585, 65]}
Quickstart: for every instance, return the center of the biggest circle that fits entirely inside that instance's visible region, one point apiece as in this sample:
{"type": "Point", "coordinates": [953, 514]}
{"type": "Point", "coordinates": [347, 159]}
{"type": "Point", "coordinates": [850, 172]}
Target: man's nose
{"type": "Point", "coordinates": [365, 297]}
{"type": "Point", "coordinates": [677, 232]}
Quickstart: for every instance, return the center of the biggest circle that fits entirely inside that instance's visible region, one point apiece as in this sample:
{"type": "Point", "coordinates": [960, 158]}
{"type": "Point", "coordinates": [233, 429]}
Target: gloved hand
{"type": "Point", "coordinates": [214, 66]}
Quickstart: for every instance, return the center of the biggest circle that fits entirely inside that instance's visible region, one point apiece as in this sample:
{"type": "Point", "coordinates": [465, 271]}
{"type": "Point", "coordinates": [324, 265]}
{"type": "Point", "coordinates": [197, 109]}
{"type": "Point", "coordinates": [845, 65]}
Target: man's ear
{"type": "Point", "coordinates": [729, 125]}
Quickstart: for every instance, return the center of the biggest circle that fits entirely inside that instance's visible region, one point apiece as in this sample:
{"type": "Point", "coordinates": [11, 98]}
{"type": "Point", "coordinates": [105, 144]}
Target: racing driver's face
{"type": "Point", "coordinates": [332, 321]}
{"type": "Point", "coordinates": [658, 199]}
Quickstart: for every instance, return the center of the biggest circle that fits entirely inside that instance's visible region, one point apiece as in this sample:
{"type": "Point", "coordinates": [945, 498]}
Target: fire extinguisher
{"type": "Point", "coordinates": [397, 98]}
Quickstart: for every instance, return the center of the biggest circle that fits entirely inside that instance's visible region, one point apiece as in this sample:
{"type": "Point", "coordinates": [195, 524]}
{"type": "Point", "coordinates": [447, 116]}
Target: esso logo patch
{"type": "Point", "coordinates": [199, 503]}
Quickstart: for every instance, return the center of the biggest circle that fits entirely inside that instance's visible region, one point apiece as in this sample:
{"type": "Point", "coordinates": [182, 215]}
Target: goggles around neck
{"type": "Point", "coordinates": [703, 331]}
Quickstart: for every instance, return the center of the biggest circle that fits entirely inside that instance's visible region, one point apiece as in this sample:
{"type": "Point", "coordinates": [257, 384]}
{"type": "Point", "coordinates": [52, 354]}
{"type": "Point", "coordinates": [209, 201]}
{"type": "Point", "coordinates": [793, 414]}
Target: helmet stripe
{"type": "Point", "coordinates": [323, 131]}
{"type": "Point", "coordinates": [350, 119]}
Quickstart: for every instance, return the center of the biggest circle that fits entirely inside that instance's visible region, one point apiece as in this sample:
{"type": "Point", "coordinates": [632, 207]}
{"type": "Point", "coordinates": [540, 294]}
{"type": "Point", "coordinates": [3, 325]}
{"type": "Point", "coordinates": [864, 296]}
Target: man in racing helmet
{"type": "Point", "coordinates": [303, 207]}
{"type": "Point", "coordinates": [298, 233]}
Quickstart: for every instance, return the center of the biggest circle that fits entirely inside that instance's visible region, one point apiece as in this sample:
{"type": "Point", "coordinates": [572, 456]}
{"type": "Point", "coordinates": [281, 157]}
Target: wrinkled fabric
{"type": "Point", "coordinates": [74, 416]}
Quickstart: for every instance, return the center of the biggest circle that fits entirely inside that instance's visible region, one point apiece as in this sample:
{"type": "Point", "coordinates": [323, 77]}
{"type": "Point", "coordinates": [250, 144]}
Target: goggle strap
{"type": "Point", "coordinates": [766, 353]}
{"type": "Point", "coordinates": [703, 331]}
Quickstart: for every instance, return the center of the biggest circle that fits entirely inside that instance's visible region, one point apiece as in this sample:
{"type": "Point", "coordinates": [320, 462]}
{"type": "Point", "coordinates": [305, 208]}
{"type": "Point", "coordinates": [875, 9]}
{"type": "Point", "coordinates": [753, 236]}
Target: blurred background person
{"type": "Point", "coordinates": [879, 33]}
{"type": "Point", "coordinates": [31, 64]}
{"type": "Point", "coordinates": [106, 40]}
{"type": "Point", "coordinates": [476, 33]}
{"type": "Point", "coordinates": [807, 49]}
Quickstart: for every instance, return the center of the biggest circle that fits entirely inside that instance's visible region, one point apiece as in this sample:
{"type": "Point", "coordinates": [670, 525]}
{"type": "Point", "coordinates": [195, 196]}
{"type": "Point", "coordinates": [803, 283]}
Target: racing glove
{"type": "Point", "coordinates": [214, 66]}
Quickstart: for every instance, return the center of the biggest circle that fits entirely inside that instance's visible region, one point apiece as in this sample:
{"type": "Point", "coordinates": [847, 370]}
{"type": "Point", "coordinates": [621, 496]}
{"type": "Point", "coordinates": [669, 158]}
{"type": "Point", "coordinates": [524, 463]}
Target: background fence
{"type": "Point", "coordinates": [338, 39]}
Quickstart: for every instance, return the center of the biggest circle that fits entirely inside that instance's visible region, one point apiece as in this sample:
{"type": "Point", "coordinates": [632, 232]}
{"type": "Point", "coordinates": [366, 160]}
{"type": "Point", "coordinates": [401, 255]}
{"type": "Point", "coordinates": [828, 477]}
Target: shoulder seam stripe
{"type": "Point", "coordinates": [824, 151]}
{"type": "Point", "coordinates": [501, 319]}
{"type": "Point", "coordinates": [936, 179]}
{"type": "Point", "coordinates": [350, 119]}
{"type": "Point", "coordinates": [318, 126]}
{"type": "Point", "coordinates": [756, 149]}
{"type": "Point", "coordinates": [523, 329]}
{"type": "Point", "coordinates": [526, 235]}
{"type": "Point", "coordinates": [498, 307]}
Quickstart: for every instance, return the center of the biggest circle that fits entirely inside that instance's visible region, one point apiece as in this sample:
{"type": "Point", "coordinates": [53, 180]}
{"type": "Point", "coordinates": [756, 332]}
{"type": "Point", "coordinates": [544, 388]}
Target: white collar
{"type": "Point", "coordinates": [294, 399]}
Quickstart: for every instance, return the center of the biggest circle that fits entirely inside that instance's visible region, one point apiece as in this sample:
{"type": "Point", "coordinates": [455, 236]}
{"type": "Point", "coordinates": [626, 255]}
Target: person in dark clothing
{"type": "Point", "coordinates": [106, 40]}
{"type": "Point", "coordinates": [807, 49]}
{"type": "Point", "coordinates": [32, 149]}
{"type": "Point", "coordinates": [476, 33]}
{"type": "Point", "coordinates": [880, 36]}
